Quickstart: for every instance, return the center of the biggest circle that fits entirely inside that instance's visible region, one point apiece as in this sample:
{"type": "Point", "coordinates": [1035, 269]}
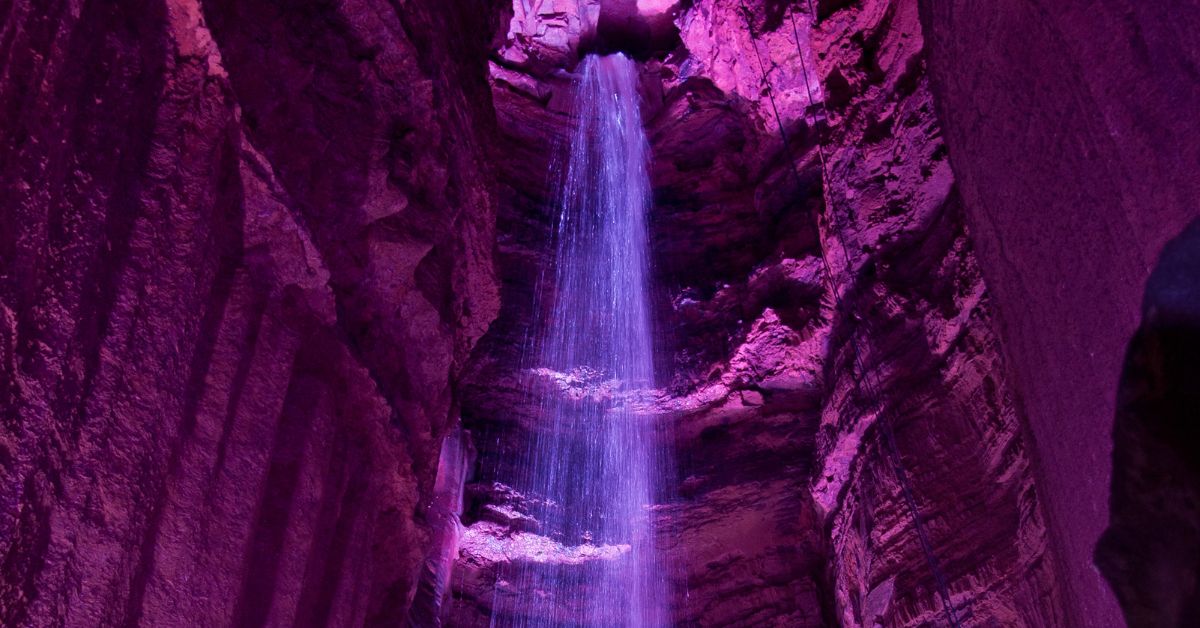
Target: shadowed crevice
{"type": "Point", "coordinates": [306, 399]}
{"type": "Point", "coordinates": [1150, 552]}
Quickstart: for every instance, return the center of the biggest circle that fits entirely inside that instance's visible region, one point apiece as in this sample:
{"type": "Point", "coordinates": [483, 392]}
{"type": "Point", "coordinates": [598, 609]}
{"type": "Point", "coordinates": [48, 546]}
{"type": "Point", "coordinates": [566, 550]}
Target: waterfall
{"type": "Point", "coordinates": [594, 464]}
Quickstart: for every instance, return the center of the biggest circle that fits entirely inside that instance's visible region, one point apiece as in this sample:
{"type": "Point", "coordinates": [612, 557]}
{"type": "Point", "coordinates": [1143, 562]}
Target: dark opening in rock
{"type": "Point", "coordinates": [641, 30]}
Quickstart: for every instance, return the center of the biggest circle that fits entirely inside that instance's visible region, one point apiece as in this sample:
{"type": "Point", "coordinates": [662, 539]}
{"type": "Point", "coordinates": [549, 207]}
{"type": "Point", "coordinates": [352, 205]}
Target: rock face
{"type": "Point", "coordinates": [936, 402]}
{"type": "Point", "coordinates": [257, 259]}
{"type": "Point", "coordinates": [245, 250]}
{"type": "Point", "coordinates": [1151, 549]}
{"type": "Point", "coordinates": [772, 143]}
{"type": "Point", "coordinates": [1076, 165]}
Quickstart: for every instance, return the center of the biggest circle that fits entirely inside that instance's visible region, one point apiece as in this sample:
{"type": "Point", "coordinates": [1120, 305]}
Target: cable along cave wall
{"type": "Point", "coordinates": [257, 259]}
{"type": "Point", "coordinates": [789, 507]}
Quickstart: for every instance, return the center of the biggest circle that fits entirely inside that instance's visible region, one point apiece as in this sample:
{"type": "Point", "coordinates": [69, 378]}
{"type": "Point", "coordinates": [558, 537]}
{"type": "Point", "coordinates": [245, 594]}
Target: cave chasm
{"type": "Point", "coordinates": [784, 507]}
{"type": "Point", "coordinates": [269, 275]}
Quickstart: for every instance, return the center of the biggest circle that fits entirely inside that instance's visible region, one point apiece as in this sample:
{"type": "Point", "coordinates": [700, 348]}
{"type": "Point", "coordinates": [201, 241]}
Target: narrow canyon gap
{"type": "Point", "coordinates": [789, 509]}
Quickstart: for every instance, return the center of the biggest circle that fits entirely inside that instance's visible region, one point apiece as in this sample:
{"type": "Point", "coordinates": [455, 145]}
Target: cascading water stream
{"type": "Point", "coordinates": [594, 466]}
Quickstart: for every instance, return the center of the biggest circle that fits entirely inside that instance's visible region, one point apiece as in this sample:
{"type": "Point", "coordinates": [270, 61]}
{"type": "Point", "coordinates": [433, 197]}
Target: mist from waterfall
{"type": "Point", "coordinates": [594, 466]}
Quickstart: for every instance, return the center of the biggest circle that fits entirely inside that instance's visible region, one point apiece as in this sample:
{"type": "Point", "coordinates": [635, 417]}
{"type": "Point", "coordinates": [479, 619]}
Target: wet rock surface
{"type": "Point", "coordinates": [787, 508]}
{"type": "Point", "coordinates": [245, 249]}
{"type": "Point", "coordinates": [256, 258]}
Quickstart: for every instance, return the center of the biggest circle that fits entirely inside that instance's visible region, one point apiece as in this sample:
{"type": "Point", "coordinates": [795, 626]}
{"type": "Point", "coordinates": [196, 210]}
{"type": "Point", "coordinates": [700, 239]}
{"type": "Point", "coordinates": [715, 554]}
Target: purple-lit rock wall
{"type": "Point", "coordinates": [244, 249]}
{"type": "Point", "coordinates": [1071, 127]}
{"type": "Point", "coordinates": [787, 509]}
{"type": "Point", "coordinates": [257, 257]}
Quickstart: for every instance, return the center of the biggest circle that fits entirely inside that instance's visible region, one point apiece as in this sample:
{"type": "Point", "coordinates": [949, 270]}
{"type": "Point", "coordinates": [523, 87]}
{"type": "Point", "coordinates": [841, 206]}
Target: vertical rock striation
{"type": "Point", "coordinates": [245, 250]}
{"type": "Point", "coordinates": [1067, 125]}
{"type": "Point", "coordinates": [915, 354]}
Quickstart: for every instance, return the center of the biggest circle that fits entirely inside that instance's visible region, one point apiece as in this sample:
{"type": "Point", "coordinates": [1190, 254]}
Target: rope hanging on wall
{"type": "Point", "coordinates": [864, 386]}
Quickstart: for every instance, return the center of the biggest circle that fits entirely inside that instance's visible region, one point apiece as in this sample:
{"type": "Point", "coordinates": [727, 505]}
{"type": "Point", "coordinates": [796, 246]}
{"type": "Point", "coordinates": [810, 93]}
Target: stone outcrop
{"type": "Point", "coordinates": [1151, 549]}
{"type": "Point", "coordinates": [1066, 127]}
{"type": "Point", "coordinates": [245, 249]}
{"type": "Point", "coordinates": [788, 509]}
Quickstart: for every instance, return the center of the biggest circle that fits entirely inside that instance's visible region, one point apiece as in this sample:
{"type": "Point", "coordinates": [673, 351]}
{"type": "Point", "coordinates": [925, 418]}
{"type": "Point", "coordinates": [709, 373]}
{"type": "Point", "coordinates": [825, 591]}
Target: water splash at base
{"type": "Point", "coordinates": [595, 466]}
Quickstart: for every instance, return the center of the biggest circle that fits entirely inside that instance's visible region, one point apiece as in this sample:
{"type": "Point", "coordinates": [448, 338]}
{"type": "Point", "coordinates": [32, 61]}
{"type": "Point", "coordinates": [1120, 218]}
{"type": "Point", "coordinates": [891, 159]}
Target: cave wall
{"type": "Point", "coordinates": [788, 508]}
{"type": "Point", "coordinates": [1070, 129]}
{"type": "Point", "coordinates": [246, 271]}
{"type": "Point", "coordinates": [245, 249]}
{"type": "Point", "coordinates": [915, 354]}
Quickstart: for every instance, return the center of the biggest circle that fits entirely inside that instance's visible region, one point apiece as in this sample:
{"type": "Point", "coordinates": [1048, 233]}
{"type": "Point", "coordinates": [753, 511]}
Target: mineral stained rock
{"type": "Point", "coordinates": [788, 509]}
{"type": "Point", "coordinates": [246, 247]}
{"type": "Point", "coordinates": [258, 258]}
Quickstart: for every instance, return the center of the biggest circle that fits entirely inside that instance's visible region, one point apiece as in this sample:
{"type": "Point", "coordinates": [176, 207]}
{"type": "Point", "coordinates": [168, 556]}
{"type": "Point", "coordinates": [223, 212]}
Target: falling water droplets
{"type": "Point", "coordinates": [594, 465]}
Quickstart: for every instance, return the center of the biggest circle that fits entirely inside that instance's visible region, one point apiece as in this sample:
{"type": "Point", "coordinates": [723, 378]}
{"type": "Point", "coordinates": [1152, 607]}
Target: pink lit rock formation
{"type": "Point", "coordinates": [245, 249]}
{"type": "Point", "coordinates": [926, 324]}
{"type": "Point", "coordinates": [788, 510]}
{"type": "Point", "coordinates": [1067, 127]}
{"type": "Point", "coordinates": [257, 258]}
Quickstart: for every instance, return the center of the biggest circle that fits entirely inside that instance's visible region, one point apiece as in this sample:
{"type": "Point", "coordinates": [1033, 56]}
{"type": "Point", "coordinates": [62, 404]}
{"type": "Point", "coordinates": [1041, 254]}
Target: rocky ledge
{"type": "Point", "coordinates": [827, 343]}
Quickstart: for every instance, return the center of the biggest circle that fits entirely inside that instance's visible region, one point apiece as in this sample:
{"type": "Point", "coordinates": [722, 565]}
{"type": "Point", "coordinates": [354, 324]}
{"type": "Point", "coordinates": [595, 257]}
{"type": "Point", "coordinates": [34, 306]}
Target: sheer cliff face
{"type": "Point", "coordinates": [1077, 164]}
{"type": "Point", "coordinates": [247, 284]}
{"type": "Point", "coordinates": [925, 337]}
{"type": "Point", "coordinates": [789, 508]}
{"type": "Point", "coordinates": [245, 249]}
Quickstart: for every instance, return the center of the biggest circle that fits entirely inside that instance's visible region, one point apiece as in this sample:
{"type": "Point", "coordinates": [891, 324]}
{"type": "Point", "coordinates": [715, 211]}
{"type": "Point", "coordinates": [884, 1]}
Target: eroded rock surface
{"type": "Point", "coordinates": [921, 335]}
{"type": "Point", "coordinates": [256, 257]}
{"type": "Point", "coordinates": [787, 508]}
{"type": "Point", "coordinates": [1065, 127]}
{"type": "Point", "coordinates": [245, 249]}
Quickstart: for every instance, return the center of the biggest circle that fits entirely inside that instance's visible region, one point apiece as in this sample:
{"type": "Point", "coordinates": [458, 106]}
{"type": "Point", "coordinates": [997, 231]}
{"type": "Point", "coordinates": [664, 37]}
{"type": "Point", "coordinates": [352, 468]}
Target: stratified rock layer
{"type": "Point", "coordinates": [918, 358]}
{"type": "Point", "coordinates": [1070, 128]}
{"type": "Point", "coordinates": [787, 508]}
